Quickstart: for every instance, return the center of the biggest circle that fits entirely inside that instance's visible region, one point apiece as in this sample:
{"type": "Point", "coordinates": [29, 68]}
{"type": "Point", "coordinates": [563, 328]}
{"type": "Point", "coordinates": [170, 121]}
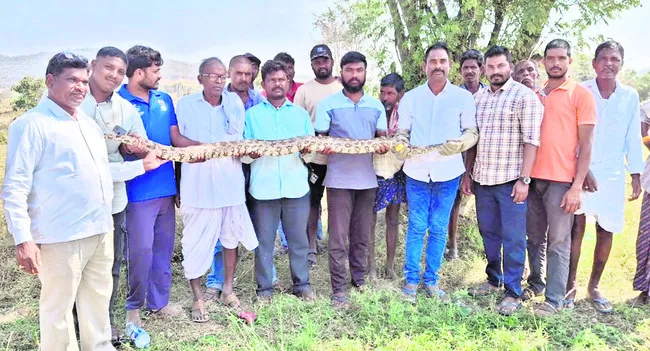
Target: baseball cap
{"type": "Point", "coordinates": [320, 50]}
{"type": "Point", "coordinates": [252, 58]}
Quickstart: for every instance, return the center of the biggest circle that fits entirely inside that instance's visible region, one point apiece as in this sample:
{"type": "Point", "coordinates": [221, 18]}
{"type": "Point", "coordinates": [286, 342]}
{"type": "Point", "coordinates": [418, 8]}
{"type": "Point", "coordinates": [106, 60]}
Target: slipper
{"type": "Point", "coordinates": [212, 294]}
{"type": "Point", "coordinates": [311, 259]}
{"type": "Point", "coordinates": [569, 304]}
{"type": "Point", "coordinates": [409, 295]}
{"type": "Point", "coordinates": [508, 308]}
{"type": "Point", "coordinates": [545, 309]}
{"type": "Point", "coordinates": [339, 301]}
{"type": "Point", "coordinates": [602, 305]}
{"type": "Point", "coordinates": [230, 300]}
{"type": "Point", "coordinates": [199, 312]}
{"type": "Point", "coordinates": [483, 290]}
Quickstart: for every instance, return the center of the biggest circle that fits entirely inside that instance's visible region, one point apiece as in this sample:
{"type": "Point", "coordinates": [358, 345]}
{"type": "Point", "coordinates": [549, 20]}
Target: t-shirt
{"type": "Point", "coordinates": [565, 108]}
{"type": "Point", "coordinates": [343, 118]}
{"type": "Point", "coordinates": [158, 116]}
{"type": "Point", "coordinates": [308, 96]}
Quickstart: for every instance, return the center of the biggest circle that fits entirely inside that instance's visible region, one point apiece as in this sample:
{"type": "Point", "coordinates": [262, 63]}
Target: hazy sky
{"type": "Point", "coordinates": [194, 29]}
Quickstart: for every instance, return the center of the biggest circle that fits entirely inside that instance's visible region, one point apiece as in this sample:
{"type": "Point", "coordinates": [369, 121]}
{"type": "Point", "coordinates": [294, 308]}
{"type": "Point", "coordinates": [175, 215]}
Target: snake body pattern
{"type": "Point", "coordinates": [273, 147]}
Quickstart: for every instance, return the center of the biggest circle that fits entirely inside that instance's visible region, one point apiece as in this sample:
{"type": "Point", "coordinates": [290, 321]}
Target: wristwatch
{"type": "Point", "coordinates": [525, 180]}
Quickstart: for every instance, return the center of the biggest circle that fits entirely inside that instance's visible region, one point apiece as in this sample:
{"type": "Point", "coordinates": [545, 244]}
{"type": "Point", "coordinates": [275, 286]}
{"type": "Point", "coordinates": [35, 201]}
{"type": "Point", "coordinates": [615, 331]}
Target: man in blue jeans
{"type": "Point", "coordinates": [509, 116]}
{"type": "Point", "coordinates": [436, 112]}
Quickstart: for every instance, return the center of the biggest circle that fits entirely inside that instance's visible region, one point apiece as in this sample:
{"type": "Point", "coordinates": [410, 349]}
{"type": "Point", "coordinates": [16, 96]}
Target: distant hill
{"type": "Point", "coordinates": [14, 68]}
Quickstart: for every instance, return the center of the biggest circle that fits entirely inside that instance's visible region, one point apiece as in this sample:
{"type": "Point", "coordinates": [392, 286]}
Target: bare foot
{"type": "Point", "coordinates": [390, 273]}
{"type": "Point", "coordinates": [133, 316]}
{"type": "Point", "coordinates": [372, 274]}
{"type": "Point", "coordinates": [199, 312]}
{"type": "Point", "coordinates": [212, 294]}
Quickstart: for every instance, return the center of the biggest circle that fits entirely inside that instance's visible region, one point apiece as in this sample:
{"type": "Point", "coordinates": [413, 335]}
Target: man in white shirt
{"type": "Point", "coordinates": [212, 192]}
{"type": "Point", "coordinates": [436, 112]}
{"type": "Point", "coordinates": [112, 113]}
{"type": "Point", "coordinates": [57, 196]}
{"type": "Point", "coordinates": [617, 147]}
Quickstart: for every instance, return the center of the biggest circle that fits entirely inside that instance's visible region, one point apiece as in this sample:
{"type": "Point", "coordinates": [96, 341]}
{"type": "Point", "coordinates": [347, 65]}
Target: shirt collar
{"type": "Point", "coordinates": [363, 97]}
{"type": "Point", "coordinates": [506, 86]}
{"type": "Point", "coordinates": [594, 86]}
{"type": "Point", "coordinates": [447, 84]}
{"type": "Point", "coordinates": [568, 84]}
{"type": "Point", "coordinates": [285, 104]}
{"type": "Point", "coordinates": [126, 94]}
{"type": "Point", "coordinates": [480, 86]}
{"type": "Point", "coordinates": [58, 111]}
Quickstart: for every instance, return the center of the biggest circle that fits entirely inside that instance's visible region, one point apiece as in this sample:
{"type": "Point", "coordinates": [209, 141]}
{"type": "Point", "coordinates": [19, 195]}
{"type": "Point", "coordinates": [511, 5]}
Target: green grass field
{"type": "Point", "coordinates": [378, 319]}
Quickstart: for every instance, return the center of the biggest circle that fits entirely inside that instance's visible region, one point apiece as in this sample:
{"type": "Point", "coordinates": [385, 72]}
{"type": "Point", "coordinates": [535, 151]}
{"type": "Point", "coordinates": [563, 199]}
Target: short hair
{"type": "Point", "coordinates": [393, 80]}
{"type": "Point", "coordinates": [238, 59]}
{"type": "Point", "coordinates": [142, 57]}
{"type": "Point", "coordinates": [558, 44]}
{"type": "Point", "coordinates": [498, 50]}
{"type": "Point", "coordinates": [210, 61]}
{"type": "Point", "coordinates": [272, 66]}
{"type": "Point", "coordinates": [111, 51]}
{"type": "Point", "coordinates": [471, 54]}
{"type": "Point", "coordinates": [438, 45]}
{"type": "Point", "coordinates": [532, 62]}
{"type": "Point", "coordinates": [284, 57]}
{"type": "Point", "coordinates": [610, 44]}
{"type": "Point", "coordinates": [353, 57]}
{"type": "Point", "coordinates": [59, 62]}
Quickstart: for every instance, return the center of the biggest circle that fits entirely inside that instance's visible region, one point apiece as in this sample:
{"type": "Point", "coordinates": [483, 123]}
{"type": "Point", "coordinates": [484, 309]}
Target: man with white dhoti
{"type": "Point", "coordinates": [617, 143]}
{"type": "Point", "coordinates": [212, 192]}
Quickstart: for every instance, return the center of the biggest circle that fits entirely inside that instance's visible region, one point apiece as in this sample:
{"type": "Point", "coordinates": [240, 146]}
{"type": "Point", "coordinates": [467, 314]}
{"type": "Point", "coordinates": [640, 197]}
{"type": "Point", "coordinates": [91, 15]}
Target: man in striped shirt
{"type": "Point", "coordinates": [509, 118]}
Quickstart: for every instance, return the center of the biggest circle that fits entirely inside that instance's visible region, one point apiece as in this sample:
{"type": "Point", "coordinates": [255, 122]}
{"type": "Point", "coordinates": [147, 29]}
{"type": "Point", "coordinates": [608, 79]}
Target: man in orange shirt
{"type": "Point", "coordinates": [558, 175]}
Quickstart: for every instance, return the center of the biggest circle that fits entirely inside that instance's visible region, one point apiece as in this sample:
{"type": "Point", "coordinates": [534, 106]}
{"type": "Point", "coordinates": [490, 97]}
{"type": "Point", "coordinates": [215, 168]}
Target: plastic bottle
{"type": "Point", "coordinates": [138, 336]}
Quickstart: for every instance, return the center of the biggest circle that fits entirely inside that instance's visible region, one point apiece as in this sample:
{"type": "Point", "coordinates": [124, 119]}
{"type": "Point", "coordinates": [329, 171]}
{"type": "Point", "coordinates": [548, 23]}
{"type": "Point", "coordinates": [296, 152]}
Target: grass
{"type": "Point", "coordinates": [378, 319]}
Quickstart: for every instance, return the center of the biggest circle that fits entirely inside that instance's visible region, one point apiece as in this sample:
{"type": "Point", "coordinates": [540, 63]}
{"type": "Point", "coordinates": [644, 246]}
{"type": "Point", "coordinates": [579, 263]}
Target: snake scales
{"type": "Point", "coordinates": [272, 147]}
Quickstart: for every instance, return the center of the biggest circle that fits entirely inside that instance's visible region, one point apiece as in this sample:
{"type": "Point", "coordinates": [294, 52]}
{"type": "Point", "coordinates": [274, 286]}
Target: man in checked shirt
{"type": "Point", "coordinates": [509, 118]}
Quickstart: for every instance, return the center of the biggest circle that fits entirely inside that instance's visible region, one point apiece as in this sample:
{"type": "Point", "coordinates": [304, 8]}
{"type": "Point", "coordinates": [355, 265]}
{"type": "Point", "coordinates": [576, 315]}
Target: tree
{"type": "Point", "coordinates": [396, 32]}
{"type": "Point", "coordinates": [29, 91]}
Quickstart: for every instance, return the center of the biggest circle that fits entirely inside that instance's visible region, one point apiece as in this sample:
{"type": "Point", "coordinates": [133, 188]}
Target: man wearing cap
{"type": "Point", "coordinates": [255, 62]}
{"type": "Point", "coordinates": [307, 97]}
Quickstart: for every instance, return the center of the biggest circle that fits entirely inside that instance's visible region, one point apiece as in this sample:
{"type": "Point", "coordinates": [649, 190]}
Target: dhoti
{"type": "Point", "coordinates": [204, 226]}
{"type": "Point", "coordinates": [607, 204]}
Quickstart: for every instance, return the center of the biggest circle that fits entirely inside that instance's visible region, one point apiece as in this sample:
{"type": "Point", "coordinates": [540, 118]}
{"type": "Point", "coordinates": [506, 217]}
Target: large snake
{"type": "Point", "coordinates": [274, 147]}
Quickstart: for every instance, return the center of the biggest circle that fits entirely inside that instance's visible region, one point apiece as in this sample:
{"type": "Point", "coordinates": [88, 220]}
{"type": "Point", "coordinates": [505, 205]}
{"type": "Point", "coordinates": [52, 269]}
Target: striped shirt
{"type": "Point", "coordinates": [506, 118]}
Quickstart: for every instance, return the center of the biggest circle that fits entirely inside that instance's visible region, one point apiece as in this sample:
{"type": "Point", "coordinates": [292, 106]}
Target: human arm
{"type": "Point", "coordinates": [469, 130]}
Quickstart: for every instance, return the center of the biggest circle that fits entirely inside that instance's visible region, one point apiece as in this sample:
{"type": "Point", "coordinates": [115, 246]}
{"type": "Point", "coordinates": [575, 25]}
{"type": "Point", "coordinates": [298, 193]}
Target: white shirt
{"type": "Point", "coordinates": [116, 111]}
{"type": "Point", "coordinates": [218, 182]}
{"type": "Point", "coordinates": [434, 119]}
{"type": "Point", "coordinates": [57, 184]}
{"type": "Point", "coordinates": [617, 135]}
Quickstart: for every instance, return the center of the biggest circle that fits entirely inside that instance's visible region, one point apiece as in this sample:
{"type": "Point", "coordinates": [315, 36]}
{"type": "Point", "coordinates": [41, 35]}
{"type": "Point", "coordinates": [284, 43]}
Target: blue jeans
{"type": "Point", "coordinates": [214, 279]}
{"type": "Point", "coordinates": [502, 224]}
{"type": "Point", "coordinates": [429, 208]}
{"type": "Point", "coordinates": [283, 237]}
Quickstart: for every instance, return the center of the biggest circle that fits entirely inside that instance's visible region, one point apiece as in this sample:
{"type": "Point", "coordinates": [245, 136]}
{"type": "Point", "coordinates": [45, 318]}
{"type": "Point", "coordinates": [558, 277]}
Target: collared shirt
{"type": "Point", "coordinates": [308, 96]}
{"type": "Point", "coordinates": [116, 111]}
{"type": "Point", "coordinates": [218, 182]}
{"type": "Point", "coordinates": [57, 184]}
{"type": "Point", "coordinates": [617, 135]}
{"type": "Point", "coordinates": [565, 108]}
{"type": "Point", "coordinates": [254, 97]}
{"type": "Point", "coordinates": [277, 177]}
{"type": "Point", "coordinates": [506, 118]}
{"type": "Point", "coordinates": [434, 119]}
{"type": "Point", "coordinates": [291, 94]}
{"type": "Point", "coordinates": [481, 86]}
{"type": "Point", "coordinates": [158, 117]}
{"type": "Point", "coordinates": [343, 118]}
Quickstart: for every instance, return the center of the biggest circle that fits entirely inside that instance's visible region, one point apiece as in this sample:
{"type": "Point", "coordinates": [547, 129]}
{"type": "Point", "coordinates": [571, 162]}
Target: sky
{"type": "Point", "coordinates": [190, 30]}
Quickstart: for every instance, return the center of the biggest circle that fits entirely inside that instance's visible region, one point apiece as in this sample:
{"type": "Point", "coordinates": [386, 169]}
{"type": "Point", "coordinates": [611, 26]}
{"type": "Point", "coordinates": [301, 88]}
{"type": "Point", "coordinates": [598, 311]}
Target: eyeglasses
{"type": "Point", "coordinates": [214, 77]}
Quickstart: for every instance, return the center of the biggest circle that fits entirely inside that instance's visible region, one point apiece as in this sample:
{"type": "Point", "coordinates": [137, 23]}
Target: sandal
{"type": "Point", "coordinates": [230, 301]}
{"type": "Point", "coordinates": [311, 259]}
{"type": "Point", "coordinates": [483, 290]}
{"type": "Point", "coordinates": [602, 305]}
{"type": "Point", "coordinates": [507, 308]}
{"type": "Point", "coordinates": [199, 312]}
{"type": "Point", "coordinates": [212, 294]}
{"type": "Point", "coordinates": [545, 309]}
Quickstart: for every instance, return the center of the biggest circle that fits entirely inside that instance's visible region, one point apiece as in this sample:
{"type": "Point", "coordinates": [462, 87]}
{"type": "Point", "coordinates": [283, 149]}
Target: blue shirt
{"type": "Point", "coordinates": [254, 97]}
{"type": "Point", "coordinates": [157, 116]}
{"type": "Point", "coordinates": [480, 86]}
{"type": "Point", "coordinates": [343, 118]}
{"type": "Point", "coordinates": [278, 176]}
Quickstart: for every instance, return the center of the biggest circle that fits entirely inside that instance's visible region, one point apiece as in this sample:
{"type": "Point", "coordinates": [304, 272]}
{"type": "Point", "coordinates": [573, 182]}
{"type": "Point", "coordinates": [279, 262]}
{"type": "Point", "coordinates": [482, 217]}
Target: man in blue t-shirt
{"type": "Point", "coordinates": [150, 214]}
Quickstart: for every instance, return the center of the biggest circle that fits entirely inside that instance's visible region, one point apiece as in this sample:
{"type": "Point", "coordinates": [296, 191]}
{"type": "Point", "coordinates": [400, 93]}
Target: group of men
{"type": "Point", "coordinates": [524, 152]}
